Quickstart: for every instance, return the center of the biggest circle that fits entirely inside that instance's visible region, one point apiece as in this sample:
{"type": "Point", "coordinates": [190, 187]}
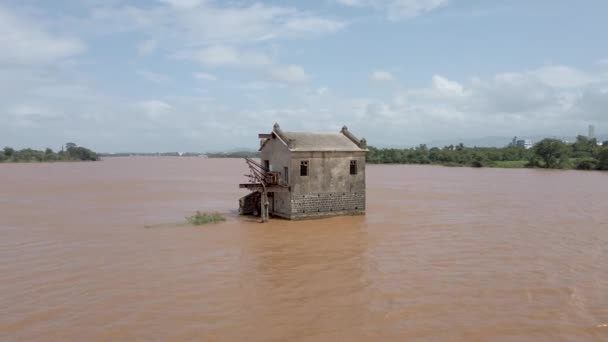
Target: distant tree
{"type": "Point", "coordinates": [586, 164]}
{"type": "Point", "coordinates": [583, 147]}
{"type": "Point", "coordinates": [605, 143]}
{"type": "Point", "coordinates": [9, 152]}
{"type": "Point", "coordinates": [552, 152]}
{"type": "Point", "coordinates": [70, 145]}
{"type": "Point", "coordinates": [603, 158]}
{"type": "Point", "coordinates": [479, 160]}
{"type": "Point", "coordinates": [30, 155]}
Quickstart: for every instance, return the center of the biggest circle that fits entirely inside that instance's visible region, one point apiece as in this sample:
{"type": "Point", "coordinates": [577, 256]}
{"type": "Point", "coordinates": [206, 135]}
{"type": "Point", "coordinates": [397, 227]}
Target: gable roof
{"type": "Point", "coordinates": [317, 142]}
{"type": "Point", "coordinates": [300, 141]}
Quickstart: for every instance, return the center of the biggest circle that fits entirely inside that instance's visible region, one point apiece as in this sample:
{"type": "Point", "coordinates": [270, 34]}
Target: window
{"type": "Point", "coordinates": [267, 165]}
{"type": "Point", "coordinates": [353, 167]}
{"type": "Point", "coordinates": [286, 175]}
{"type": "Point", "coordinates": [304, 168]}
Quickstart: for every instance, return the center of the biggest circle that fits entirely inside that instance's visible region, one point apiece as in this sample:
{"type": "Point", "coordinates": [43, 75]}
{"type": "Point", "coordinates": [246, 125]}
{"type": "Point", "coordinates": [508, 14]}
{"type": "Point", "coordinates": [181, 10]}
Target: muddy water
{"type": "Point", "coordinates": [94, 251]}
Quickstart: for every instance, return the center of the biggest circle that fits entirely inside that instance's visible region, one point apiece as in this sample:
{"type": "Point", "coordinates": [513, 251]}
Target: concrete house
{"type": "Point", "coordinates": [309, 175]}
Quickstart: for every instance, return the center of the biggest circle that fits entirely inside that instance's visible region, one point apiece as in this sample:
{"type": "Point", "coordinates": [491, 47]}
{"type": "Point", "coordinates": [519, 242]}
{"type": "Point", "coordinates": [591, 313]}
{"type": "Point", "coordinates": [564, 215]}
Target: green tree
{"type": "Point", "coordinates": [552, 152]}
{"type": "Point", "coordinates": [583, 147]}
{"type": "Point", "coordinates": [586, 164]}
{"type": "Point", "coordinates": [9, 152]}
{"type": "Point", "coordinates": [603, 158]}
{"type": "Point", "coordinates": [479, 160]}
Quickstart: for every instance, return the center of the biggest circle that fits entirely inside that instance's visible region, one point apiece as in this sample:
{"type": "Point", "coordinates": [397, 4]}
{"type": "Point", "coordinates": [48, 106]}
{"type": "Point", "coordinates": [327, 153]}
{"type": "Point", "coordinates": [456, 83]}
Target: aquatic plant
{"type": "Point", "coordinates": [199, 218]}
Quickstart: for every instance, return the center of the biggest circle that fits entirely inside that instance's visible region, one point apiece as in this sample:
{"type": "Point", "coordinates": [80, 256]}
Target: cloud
{"type": "Point", "coordinates": [154, 77]}
{"type": "Point", "coordinates": [403, 9]}
{"type": "Point", "coordinates": [231, 57]}
{"type": "Point", "coordinates": [381, 76]}
{"type": "Point", "coordinates": [146, 47]}
{"type": "Point", "coordinates": [398, 9]}
{"type": "Point", "coordinates": [56, 108]}
{"type": "Point", "coordinates": [214, 22]}
{"type": "Point", "coordinates": [25, 42]}
{"type": "Point", "coordinates": [221, 55]}
{"type": "Point", "coordinates": [154, 109]}
{"type": "Point", "coordinates": [561, 76]}
{"type": "Point", "coordinates": [313, 26]}
{"type": "Point", "coordinates": [183, 4]}
{"type": "Point", "coordinates": [204, 76]}
{"type": "Point", "coordinates": [289, 73]}
{"type": "Point", "coordinates": [447, 87]}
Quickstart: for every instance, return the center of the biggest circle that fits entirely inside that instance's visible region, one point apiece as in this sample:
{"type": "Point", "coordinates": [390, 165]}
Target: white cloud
{"type": "Point", "coordinates": [154, 109]}
{"type": "Point", "coordinates": [154, 77]}
{"type": "Point", "coordinates": [313, 25]}
{"type": "Point", "coordinates": [204, 76]}
{"type": "Point", "coordinates": [183, 4]}
{"type": "Point", "coordinates": [398, 9]}
{"type": "Point", "coordinates": [289, 73]}
{"type": "Point", "coordinates": [221, 55]}
{"type": "Point", "coordinates": [147, 47]}
{"type": "Point", "coordinates": [228, 56]}
{"type": "Point", "coordinates": [447, 87]}
{"type": "Point", "coordinates": [354, 3]}
{"type": "Point", "coordinates": [24, 41]}
{"type": "Point", "coordinates": [561, 76]}
{"type": "Point", "coordinates": [381, 76]}
{"type": "Point", "coordinates": [218, 55]}
{"type": "Point", "coordinates": [215, 22]}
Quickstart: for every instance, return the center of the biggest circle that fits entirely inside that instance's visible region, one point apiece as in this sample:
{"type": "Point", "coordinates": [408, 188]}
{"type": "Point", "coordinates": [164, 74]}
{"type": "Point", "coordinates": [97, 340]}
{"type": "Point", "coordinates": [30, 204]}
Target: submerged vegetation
{"type": "Point", "coordinates": [72, 152]}
{"type": "Point", "coordinates": [584, 154]}
{"type": "Point", "coordinates": [199, 218]}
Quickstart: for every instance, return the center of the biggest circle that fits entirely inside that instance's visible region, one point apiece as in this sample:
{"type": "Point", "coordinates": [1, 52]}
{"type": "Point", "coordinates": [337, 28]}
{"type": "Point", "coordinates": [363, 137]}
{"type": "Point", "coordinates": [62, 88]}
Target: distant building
{"type": "Point", "coordinates": [304, 175]}
{"type": "Point", "coordinates": [591, 132]}
{"type": "Point", "coordinates": [525, 143]}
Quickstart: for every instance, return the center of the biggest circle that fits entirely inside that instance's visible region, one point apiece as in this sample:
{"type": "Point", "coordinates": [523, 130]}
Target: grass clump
{"type": "Point", "coordinates": [199, 218]}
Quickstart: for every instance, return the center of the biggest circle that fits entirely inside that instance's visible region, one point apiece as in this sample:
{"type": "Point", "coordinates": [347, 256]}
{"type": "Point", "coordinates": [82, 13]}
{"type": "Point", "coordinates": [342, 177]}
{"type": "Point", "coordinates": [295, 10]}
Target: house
{"type": "Point", "coordinates": [306, 175]}
{"type": "Point", "coordinates": [525, 143]}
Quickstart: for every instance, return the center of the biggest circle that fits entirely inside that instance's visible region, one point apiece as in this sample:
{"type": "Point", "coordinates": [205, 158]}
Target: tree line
{"type": "Point", "coordinates": [72, 152]}
{"type": "Point", "coordinates": [584, 154]}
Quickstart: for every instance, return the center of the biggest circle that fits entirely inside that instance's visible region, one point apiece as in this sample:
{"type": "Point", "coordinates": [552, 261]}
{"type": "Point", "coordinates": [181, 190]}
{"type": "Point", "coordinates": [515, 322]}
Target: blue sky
{"type": "Point", "coordinates": [194, 75]}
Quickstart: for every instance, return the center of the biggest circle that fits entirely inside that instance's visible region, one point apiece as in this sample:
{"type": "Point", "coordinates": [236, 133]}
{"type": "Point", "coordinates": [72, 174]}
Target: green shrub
{"type": "Point", "coordinates": [586, 164]}
{"type": "Point", "coordinates": [205, 218]}
{"type": "Point", "coordinates": [603, 158]}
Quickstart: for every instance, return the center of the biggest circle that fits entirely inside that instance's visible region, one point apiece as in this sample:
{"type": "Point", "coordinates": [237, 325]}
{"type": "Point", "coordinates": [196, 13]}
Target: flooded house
{"type": "Point", "coordinates": [306, 175]}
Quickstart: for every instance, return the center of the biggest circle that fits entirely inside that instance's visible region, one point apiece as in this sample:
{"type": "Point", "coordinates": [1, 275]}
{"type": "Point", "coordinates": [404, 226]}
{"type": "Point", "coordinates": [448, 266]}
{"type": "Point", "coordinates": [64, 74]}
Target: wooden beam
{"type": "Point", "coordinates": [259, 187]}
{"type": "Point", "coordinates": [264, 135]}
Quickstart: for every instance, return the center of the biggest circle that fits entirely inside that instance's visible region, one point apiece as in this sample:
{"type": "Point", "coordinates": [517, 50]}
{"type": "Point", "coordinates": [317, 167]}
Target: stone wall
{"type": "Point", "coordinates": [279, 157]}
{"type": "Point", "coordinates": [327, 204]}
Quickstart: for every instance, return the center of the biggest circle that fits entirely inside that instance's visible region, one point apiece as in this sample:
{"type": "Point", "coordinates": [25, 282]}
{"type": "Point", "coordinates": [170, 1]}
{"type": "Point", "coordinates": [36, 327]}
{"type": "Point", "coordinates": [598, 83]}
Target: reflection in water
{"type": "Point", "coordinates": [442, 254]}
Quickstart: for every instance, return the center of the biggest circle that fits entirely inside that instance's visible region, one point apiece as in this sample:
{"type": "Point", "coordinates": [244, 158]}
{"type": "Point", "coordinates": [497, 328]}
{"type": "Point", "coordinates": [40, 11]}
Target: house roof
{"type": "Point", "coordinates": [300, 141]}
{"type": "Point", "coordinates": [344, 141]}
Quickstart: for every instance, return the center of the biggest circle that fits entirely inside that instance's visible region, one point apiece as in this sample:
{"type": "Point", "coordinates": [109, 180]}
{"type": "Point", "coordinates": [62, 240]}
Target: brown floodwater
{"type": "Point", "coordinates": [97, 251]}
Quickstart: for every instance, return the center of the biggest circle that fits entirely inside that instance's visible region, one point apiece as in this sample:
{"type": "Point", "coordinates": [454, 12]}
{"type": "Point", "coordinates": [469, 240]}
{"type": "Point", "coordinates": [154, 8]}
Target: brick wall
{"type": "Point", "coordinates": [327, 204]}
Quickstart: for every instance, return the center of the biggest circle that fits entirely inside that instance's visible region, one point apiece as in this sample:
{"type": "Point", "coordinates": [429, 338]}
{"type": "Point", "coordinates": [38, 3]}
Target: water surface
{"type": "Point", "coordinates": [95, 251]}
